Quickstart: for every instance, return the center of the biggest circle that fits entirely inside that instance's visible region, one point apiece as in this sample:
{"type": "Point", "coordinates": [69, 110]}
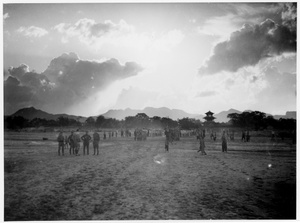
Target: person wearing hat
{"type": "Point", "coordinates": [76, 139]}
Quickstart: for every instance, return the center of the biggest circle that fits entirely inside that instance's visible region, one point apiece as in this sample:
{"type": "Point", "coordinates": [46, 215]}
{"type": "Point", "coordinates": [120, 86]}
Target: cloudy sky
{"type": "Point", "coordinates": [85, 59]}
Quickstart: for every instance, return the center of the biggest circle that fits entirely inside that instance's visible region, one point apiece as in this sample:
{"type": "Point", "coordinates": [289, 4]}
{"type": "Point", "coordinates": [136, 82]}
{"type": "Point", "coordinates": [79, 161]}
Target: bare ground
{"type": "Point", "coordinates": [139, 180]}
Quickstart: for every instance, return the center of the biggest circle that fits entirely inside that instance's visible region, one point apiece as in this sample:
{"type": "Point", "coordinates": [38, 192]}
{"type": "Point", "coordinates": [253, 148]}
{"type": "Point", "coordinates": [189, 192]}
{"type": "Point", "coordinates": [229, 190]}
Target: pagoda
{"type": "Point", "coordinates": [209, 118]}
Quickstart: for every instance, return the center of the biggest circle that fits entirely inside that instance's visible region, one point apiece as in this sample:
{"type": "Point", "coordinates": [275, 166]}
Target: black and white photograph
{"type": "Point", "coordinates": [149, 111]}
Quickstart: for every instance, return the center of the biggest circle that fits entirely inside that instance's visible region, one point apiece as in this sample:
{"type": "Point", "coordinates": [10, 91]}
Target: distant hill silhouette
{"type": "Point", "coordinates": [222, 116]}
{"type": "Point", "coordinates": [151, 112]}
{"type": "Point", "coordinates": [31, 113]}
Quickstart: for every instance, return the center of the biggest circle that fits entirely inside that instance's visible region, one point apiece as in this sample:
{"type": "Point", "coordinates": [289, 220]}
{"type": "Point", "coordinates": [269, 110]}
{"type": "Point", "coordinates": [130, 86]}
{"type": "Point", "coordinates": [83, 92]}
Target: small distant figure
{"type": "Point", "coordinates": [86, 142]}
{"type": "Point", "coordinates": [243, 136]}
{"type": "Point", "coordinates": [224, 142]}
{"type": "Point", "coordinates": [61, 143]}
{"type": "Point", "coordinates": [96, 139]}
{"type": "Point", "coordinates": [135, 135]}
{"type": "Point", "coordinates": [168, 138]}
{"type": "Point", "coordinates": [71, 143]}
{"type": "Point", "coordinates": [202, 144]}
{"type": "Point", "coordinates": [104, 135]}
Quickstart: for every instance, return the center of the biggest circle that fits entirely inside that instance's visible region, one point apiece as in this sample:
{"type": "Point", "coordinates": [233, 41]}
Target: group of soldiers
{"type": "Point", "coordinates": [73, 143]}
{"type": "Point", "coordinates": [200, 137]}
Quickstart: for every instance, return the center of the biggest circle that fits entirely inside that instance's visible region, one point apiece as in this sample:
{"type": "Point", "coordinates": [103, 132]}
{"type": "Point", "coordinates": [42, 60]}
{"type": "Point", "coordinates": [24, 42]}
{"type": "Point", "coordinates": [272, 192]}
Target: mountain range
{"type": "Point", "coordinates": [31, 113]}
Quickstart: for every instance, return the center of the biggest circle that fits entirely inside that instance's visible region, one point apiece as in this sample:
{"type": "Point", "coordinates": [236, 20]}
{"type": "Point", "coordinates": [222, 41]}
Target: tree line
{"type": "Point", "coordinates": [251, 120]}
{"type": "Point", "coordinates": [141, 120]}
{"type": "Point", "coordinates": [257, 120]}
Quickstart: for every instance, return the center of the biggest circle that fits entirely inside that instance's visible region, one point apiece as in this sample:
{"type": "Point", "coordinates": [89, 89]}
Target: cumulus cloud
{"type": "Point", "coordinates": [89, 30]}
{"type": "Point", "coordinates": [32, 31]}
{"type": "Point", "coordinates": [96, 34]}
{"type": "Point", "coordinates": [252, 43]}
{"type": "Point", "coordinates": [67, 80]}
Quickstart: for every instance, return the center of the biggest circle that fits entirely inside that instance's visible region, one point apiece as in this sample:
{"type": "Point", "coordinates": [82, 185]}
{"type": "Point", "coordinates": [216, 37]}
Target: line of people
{"type": "Point", "coordinates": [73, 143]}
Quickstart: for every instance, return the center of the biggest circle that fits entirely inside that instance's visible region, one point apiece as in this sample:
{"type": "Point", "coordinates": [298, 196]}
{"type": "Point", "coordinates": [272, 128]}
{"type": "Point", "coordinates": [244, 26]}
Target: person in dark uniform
{"type": "Point", "coordinates": [71, 143]}
{"type": "Point", "coordinates": [96, 139]}
{"type": "Point", "coordinates": [86, 142]}
{"type": "Point", "coordinates": [61, 143]}
{"type": "Point", "coordinates": [224, 142]}
{"type": "Point", "coordinates": [243, 136]}
{"type": "Point", "coordinates": [247, 136]}
{"type": "Point", "coordinates": [168, 138]}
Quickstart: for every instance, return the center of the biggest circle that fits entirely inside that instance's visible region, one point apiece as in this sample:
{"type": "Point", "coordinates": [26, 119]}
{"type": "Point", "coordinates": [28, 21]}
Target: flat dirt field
{"type": "Point", "coordinates": [139, 180]}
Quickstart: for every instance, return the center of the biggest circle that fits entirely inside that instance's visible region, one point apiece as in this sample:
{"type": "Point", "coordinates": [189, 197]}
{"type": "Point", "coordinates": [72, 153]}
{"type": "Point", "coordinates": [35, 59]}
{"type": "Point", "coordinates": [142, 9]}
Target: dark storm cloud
{"type": "Point", "coordinates": [84, 77]}
{"type": "Point", "coordinates": [66, 81]}
{"type": "Point", "coordinates": [250, 44]}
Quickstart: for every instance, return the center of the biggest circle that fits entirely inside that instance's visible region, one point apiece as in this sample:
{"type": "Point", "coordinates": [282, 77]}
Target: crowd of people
{"type": "Point", "coordinates": [72, 142]}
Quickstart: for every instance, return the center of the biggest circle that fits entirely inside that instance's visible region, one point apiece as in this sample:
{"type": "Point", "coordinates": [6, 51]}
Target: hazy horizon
{"type": "Point", "coordinates": [133, 109]}
{"type": "Point", "coordinates": [87, 58]}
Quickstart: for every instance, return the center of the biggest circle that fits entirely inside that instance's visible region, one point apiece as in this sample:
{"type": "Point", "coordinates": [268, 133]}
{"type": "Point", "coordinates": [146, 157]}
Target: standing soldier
{"type": "Point", "coordinates": [61, 141]}
{"type": "Point", "coordinates": [243, 136]}
{"type": "Point", "coordinates": [202, 144]}
{"type": "Point", "coordinates": [76, 139]}
{"type": "Point", "coordinates": [224, 142]}
{"type": "Point", "coordinates": [104, 135]}
{"type": "Point", "coordinates": [96, 139]}
{"type": "Point", "coordinates": [86, 142]}
{"type": "Point", "coordinates": [168, 138]}
{"type": "Point", "coordinates": [71, 143]}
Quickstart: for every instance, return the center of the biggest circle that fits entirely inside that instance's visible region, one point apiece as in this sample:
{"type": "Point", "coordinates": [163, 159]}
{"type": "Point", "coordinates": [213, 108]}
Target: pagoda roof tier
{"type": "Point", "coordinates": [209, 113]}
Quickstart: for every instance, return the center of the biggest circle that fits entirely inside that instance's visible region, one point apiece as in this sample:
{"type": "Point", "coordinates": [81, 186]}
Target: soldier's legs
{"type": "Point", "coordinates": [88, 148]}
{"type": "Point", "coordinates": [58, 149]}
